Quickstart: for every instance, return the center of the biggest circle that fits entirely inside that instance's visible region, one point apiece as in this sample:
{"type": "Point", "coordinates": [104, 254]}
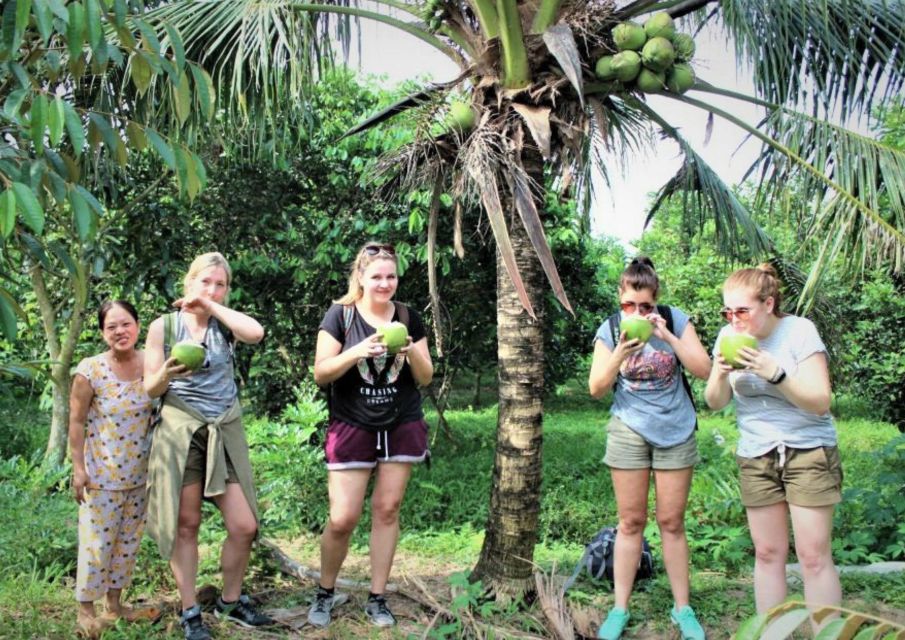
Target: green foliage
{"type": "Point", "coordinates": [782, 621]}
{"type": "Point", "coordinates": [39, 519]}
{"type": "Point", "coordinates": [289, 466]}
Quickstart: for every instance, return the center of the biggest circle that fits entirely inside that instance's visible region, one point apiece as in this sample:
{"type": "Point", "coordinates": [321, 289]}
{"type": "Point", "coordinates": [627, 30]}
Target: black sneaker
{"type": "Point", "coordinates": [193, 627]}
{"type": "Point", "coordinates": [242, 612]}
{"type": "Point", "coordinates": [378, 612]}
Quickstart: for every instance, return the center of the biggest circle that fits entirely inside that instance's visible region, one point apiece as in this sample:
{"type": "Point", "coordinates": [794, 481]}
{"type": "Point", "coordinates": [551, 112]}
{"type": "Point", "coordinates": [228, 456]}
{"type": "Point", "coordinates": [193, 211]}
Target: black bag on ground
{"type": "Point", "coordinates": [599, 556]}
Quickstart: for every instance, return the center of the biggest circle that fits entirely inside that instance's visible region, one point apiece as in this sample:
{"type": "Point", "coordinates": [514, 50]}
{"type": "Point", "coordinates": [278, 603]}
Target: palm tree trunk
{"type": "Point", "coordinates": [505, 565]}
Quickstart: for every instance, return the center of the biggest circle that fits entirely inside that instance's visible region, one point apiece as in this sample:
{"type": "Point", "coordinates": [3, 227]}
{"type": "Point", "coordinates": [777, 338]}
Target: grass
{"type": "Point", "coordinates": [443, 518]}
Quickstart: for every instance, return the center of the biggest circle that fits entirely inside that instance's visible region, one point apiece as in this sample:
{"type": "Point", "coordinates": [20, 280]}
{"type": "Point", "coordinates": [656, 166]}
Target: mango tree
{"type": "Point", "coordinates": [84, 85]}
{"type": "Point", "coordinates": [551, 89]}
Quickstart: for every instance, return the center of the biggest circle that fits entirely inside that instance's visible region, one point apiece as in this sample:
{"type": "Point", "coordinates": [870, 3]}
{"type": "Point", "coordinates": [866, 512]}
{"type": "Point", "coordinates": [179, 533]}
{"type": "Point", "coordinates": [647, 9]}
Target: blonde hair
{"type": "Point", "coordinates": [762, 280]}
{"type": "Point", "coordinates": [362, 261]}
{"type": "Point", "coordinates": [205, 261]}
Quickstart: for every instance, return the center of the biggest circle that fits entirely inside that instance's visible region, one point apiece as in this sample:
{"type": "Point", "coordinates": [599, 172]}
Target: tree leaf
{"type": "Point", "coordinates": [85, 223]}
{"type": "Point", "coordinates": [56, 248]}
{"type": "Point", "coordinates": [96, 206]}
{"type": "Point", "coordinates": [175, 42]}
{"type": "Point", "coordinates": [43, 19]}
{"type": "Point", "coordinates": [109, 136]}
{"type": "Point", "coordinates": [8, 320]}
{"type": "Point", "coordinates": [75, 31]}
{"type": "Point", "coordinates": [751, 628]}
{"type": "Point", "coordinates": [162, 148]}
{"type": "Point", "coordinates": [8, 40]}
{"type": "Point", "coordinates": [784, 625]}
{"type": "Point", "coordinates": [140, 71]}
{"type": "Point", "coordinates": [832, 630]}
{"type": "Point", "coordinates": [182, 96]}
{"type": "Point", "coordinates": [56, 120]}
{"type": "Point", "coordinates": [35, 249]}
{"type": "Point", "coordinates": [39, 108]}
{"type": "Point", "coordinates": [7, 212]}
{"type": "Point", "coordinates": [136, 136]}
{"type": "Point", "coordinates": [74, 128]}
{"type": "Point", "coordinates": [538, 121]}
{"type": "Point", "coordinates": [204, 90]}
{"type": "Point", "coordinates": [120, 11]}
{"type": "Point", "coordinates": [13, 103]}
{"type": "Point", "coordinates": [93, 24]}
{"type": "Point", "coordinates": [561, 43]}
{"type": "Point", "coordinates": [200, 171]}
{"type": "Point", "coordinates": [32, 213]}
{"type": "Point", "coordinates": [21, 75]}
{"type": "Point", "coordinates": [182, 170]}
{"type": "Point", "coordinates": [150, 36]}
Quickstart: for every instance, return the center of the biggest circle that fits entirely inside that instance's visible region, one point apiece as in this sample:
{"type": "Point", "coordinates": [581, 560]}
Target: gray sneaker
{"type": "Point", "coordinates": [321, 608]}
{"type": "Point", "coordinates": [379, 613]}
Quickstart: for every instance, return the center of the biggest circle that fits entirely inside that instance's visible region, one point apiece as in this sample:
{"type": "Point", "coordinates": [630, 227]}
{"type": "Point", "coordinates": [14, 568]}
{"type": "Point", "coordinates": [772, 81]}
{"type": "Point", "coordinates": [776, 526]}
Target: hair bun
{"type": "Point", "coordinates": [769, 269]}
{"type": "Point", "coordinates": [642, 261]}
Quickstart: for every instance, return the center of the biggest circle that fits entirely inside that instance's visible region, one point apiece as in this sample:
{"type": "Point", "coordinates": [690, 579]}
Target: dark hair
{"type": "Point", "coordinates": [763, 280]}
{"type": "Point", "coordinates": [640, 274]}
{"type": "Point", "coordinates": [106, 305]}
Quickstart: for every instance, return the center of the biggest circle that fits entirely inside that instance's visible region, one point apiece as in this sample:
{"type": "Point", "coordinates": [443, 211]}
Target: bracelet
{"type": "Point", "coordinates": [778, 377]}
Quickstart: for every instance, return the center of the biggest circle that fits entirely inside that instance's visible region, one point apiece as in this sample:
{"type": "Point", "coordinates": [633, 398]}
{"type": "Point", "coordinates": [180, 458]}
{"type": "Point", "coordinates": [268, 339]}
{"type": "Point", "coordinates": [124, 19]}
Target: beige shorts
{"type": "Point", "coordinates": [809, 478]}
{"type": "Point", "coordinates": [625, 449]}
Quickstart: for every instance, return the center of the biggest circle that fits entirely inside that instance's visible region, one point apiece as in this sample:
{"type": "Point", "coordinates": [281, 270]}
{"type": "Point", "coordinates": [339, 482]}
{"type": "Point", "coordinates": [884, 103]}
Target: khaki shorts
{"type": "Point", "coordinates": [625, 449]}
{"type": "Point", "coordinates": [809, 478]}
{"type": "Point", "coordinates": [196, 461]}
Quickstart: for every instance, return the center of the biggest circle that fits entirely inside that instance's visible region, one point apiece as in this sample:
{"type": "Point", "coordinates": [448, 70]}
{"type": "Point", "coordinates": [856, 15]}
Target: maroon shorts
{"type": "Point", "coordinates": [348, 447]}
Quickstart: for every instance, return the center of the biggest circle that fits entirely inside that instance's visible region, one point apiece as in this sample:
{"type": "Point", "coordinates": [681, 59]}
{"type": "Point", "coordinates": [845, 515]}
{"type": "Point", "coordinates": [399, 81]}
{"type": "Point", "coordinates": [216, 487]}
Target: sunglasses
{"type": "Point", "coordinates": [742, 313]}
{"type": "Point", "coordinates": [644, 307]}
{"type": "Point", "coordinates": [375, 249]}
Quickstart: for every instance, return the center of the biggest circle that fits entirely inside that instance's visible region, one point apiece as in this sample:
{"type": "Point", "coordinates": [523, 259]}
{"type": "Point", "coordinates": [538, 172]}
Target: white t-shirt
{"type": "Point", "coordinates": [766, 419]}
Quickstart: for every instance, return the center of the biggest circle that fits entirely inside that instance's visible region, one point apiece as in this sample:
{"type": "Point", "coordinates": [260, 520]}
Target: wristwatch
{"type": "Point", "coordinates": [778, 377]}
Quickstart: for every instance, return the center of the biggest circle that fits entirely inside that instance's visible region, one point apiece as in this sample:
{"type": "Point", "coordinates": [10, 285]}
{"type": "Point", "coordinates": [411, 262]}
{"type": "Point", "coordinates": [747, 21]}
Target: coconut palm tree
{"type": "Point", "coordinates": [535, 106]}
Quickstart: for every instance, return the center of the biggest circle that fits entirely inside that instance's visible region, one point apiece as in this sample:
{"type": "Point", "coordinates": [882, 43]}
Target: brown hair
{"type": "Point", "coordinates": [370, 252]}
{"type": "Point", "coordinates": [640, 274]}
{"type": "Point", "coordinates": [762, 280]}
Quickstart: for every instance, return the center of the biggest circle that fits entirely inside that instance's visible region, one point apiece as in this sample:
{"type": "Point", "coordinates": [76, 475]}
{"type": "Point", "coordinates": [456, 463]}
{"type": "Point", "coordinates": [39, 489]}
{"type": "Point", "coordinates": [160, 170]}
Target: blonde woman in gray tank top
{"type": "Point", "coordinates": [200, 410]}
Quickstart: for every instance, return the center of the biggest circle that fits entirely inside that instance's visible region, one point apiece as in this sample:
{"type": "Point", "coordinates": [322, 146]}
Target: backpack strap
{"type": "Point", "coordinates": [665, 312]}
{"type": "Point", "coordinates": [348, 315]}
{"type": "Point", "coordinates": [169, 332]}
{"type": "Point", "coordinates": [402, 311]}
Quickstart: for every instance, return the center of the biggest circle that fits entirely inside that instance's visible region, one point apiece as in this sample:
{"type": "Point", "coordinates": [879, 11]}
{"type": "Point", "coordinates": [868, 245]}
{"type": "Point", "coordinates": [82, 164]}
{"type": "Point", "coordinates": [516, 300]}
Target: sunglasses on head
{"type": "Point", "coordinates": [742, 313]}
{"type": "Point", "coordinates": [374, 249]}
{"type": "Point", "coordinates": [644, 307]}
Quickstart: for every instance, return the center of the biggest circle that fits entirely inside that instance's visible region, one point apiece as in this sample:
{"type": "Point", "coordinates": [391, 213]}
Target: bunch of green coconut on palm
{"type": "Point", "coordinates": [652, 58]}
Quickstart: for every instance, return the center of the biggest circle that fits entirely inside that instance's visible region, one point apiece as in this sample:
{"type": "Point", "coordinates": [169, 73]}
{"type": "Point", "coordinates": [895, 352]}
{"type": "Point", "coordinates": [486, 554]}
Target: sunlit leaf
{"type": "Point", "coordinates": [136, 136]}
{"type": "Point", "coordinates": [56, 120]}
{"type": "Point", "coordinates": [75, 30]}
{"type": "Point", "coordinates": [7, 212]}
{"type": "Point", "coordinates": [93, 23]}
{"type": "Point", "coordinates": [204, 90]}
{"type": "Point", "coordinates": [13, 103]}
{"type": "Point", "coordinates": [140, 71]}
{"type": "Point", "coordinates": [162, 148]}
{"type": "Point", "coordinates": [29, 207]}
{"type": "Point", "coordinates": [8, 321]}
{"type": "Point", "coordinates": [74, 128]}
{"type": "Point", "coordinates": [38, 114]}
{"type": "Point", "coordinates": [182, 97]}
{"type": "Point", "coordinates": [175, 42]}
{"type": "Point", "coordinates": [82, 215]}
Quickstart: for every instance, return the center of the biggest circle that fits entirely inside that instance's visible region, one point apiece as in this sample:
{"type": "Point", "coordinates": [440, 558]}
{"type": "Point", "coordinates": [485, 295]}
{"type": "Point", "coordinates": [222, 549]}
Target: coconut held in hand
{"type": "Point", "coordinates": [732, 343]}
{"type": "Point", "coordinates": [189, 353]}
{"type": "Point", "coordinates": [394, 335]}
{"type": "Point", "coordinates": [636, 328]}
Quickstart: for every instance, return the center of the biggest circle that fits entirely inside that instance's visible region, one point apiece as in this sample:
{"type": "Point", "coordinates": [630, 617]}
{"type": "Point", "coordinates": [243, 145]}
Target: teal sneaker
{"type": "Point", "coordinates": [689, 626]}
{"type": "Point", "coordinates": [614, 625]}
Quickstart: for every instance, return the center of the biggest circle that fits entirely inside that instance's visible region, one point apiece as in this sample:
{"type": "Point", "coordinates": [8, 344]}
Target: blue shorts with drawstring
{"type": "Point", "coordinates": [348, 447]}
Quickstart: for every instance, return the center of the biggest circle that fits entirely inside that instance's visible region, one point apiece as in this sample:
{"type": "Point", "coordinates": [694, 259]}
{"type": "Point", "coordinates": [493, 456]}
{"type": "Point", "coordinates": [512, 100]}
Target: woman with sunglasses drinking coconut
{"type": "Point", "coordinates": [376, 423]}
{"type": "Point", "coordinates": [199, 449]}
{"type": "Point", "coordinates": [652, 429]}
{"type": "Point", "coordinates": [787, 456]}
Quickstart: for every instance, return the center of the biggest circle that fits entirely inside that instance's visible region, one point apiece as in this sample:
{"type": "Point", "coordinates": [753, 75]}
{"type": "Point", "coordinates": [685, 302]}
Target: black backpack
{"type": "Point", "coordinates": [665, 312]}
{"type": "Point", "coordinates": [599, 556]}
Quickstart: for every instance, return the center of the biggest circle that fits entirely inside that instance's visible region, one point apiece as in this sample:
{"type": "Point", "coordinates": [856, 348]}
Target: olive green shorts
{"type": "Point", "coordinates": [809, 478]}
{"type": "Point", "coordinates": [625, 449]}
{"type": "Point", "coordinates": [196, 461]}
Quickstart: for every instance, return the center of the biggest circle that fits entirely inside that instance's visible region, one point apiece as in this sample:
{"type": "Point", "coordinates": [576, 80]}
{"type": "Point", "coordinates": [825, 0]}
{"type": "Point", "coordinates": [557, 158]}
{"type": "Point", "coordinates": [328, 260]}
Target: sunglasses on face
{"type": "Point", "coordinates": [644, 307]}
{"type": "Point", "coordinates": [742, 313]}
{"type": "Point", "coordinates": [374, 249]}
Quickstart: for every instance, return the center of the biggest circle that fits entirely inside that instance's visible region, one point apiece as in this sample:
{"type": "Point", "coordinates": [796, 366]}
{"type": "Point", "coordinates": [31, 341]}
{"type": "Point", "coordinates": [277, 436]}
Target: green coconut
{"type": "Point", "coordinates": [626, 65]}
{"type": "Point", "coordinates": [684, 46]}
{"type": "Point", "coordinates": [189, 353]}
{"type": "Point", "coordinates": [660, 25]}
{"type": "Point", "coordinates": [604, 68]}
{"type": "Point", "coordinates": [658, 54]}
{"type": "Point", "coordinates": [461, 116]}
{"type": "Point", "coordinates": [636, 328]}
{"type": "Point", "coordinates": [732, 343]}
{"type": "Point", "coordinates": [680, 78]}
{"type": "Point", "coordinates": [394, 335]}
{"type": "Point", "coordinates": [629, 36]}
{"type": "Point", "coordinates": [651, 82]}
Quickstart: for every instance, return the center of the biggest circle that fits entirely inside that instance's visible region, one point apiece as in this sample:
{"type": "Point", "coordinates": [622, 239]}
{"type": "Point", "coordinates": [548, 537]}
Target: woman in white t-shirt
{"type": "Point", "coordinates": [787, 456]}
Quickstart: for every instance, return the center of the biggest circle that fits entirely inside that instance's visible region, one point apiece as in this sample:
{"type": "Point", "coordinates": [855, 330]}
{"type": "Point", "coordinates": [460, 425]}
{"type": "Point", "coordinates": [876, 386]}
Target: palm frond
{"type": "Point", "coordinates": [843, 55]}
{"type": "Point", "coordinates": [706, 196]}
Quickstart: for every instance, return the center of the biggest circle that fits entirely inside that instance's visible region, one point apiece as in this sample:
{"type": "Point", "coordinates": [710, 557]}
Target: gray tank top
{"type": "Point", "coordinates": [212, 388]}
